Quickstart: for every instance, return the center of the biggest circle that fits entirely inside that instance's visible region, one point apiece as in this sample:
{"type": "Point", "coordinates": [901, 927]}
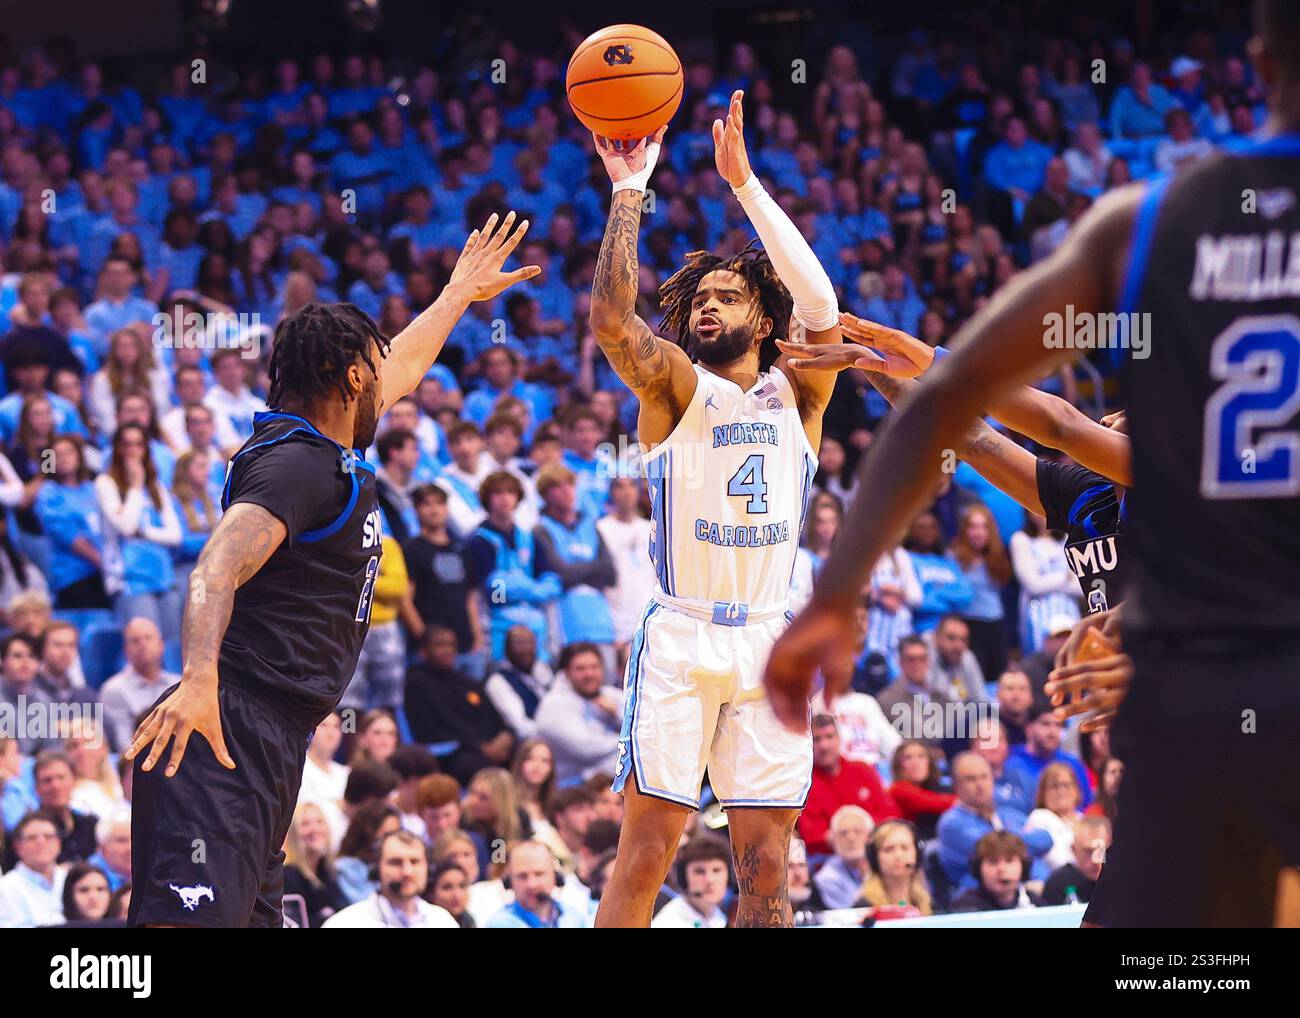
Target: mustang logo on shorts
{"type": "Point", "coordinates": [618, 763]}
{"type": "Point", "coordinates": [191, 896]}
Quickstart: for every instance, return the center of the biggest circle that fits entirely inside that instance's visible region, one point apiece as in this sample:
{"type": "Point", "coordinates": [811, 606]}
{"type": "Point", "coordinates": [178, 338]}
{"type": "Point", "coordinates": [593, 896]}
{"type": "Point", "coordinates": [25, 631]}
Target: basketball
{"type": "Point", "coordinates": [624, 82]}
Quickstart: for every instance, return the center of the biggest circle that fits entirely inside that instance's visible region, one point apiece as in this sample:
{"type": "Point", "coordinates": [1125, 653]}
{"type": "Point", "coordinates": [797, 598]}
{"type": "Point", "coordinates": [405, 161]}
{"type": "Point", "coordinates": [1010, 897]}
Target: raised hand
{"type": "Point", "coordinates": [905, 355]}
{"type": "Point", "coordinates": [729, 143]}
{"type": "Point", "coordinates": [486, 250]}
{"type": "Point", "coordinates": [624, 160]}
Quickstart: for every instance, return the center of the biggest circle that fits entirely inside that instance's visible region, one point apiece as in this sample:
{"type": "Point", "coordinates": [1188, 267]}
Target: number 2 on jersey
{"type": "Point", "coordinates": [748, 481]}
{"type": "Point", "coordinates": [1246, 451]}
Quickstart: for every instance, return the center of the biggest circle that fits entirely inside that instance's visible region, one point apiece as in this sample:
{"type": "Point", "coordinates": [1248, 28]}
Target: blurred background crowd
{"type": "Point", "coordinates": [926, 165]}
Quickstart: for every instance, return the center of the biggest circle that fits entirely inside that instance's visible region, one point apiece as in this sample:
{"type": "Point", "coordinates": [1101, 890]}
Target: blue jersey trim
{"type": "Point", "coordinates": [1083, 498]}
{"type": "Point", "coordinates": [1279, 145]}
{"type": "Point", "coordinates": [1144, 229]}
{"type": "Point", "coordinates": [262, 417]}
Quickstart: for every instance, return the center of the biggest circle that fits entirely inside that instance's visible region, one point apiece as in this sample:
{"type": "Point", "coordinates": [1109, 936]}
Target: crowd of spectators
{"type": "Point", "coordinates": [465, 778]}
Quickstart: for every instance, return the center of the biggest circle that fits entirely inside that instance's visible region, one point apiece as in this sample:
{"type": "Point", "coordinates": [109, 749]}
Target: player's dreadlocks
{"type": "Point", "coordinates": [314, 349]}
{"type": "Point", "coordinates": [753, 265]}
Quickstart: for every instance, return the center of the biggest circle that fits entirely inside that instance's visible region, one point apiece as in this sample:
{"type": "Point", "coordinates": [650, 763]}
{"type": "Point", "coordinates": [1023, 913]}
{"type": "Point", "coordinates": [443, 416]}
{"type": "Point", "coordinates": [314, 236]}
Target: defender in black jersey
{"type": "Point", "coordinates": [1212, 618]}
{"type": "Point", "coordinates": [279, 605]}
{"type": "Point", "coordinates": [1090, 510]}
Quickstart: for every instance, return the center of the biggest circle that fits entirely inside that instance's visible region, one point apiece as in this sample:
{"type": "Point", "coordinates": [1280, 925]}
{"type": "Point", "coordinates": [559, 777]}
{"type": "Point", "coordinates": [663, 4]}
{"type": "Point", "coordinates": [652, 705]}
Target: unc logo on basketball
{"type": "Point", "coordinates": [373, 530]}
{"type": "Point", "coordinates": [618, 54]}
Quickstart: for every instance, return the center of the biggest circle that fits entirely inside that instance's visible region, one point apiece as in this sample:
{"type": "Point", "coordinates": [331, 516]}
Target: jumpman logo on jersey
{"type": "Point", "coordinates": [709, 402]}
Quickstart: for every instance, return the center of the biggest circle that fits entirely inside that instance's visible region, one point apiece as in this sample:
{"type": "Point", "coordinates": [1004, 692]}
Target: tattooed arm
{"type": "Point", "coordinates": [658, 372]}
{"type": "Point", "coordinates": [244, 539]}
{"type": "Point", "coordinates": [1004, 464]}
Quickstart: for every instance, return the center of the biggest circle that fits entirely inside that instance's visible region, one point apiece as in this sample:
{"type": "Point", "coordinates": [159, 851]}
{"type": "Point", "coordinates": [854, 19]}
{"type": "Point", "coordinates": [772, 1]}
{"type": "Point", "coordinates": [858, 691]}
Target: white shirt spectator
{"type": "Point", "coordinates": [27, 899]}
{"type": "Point", "coordinates": [126, 696]}
{"type": "Point", "coordinates": [172, 425]}
{"type": "Point", "coordinates": [126, 518]}
{"type": "Point", "coordinates": [510, 705]}
{"type": "Point", "coordinates": [324, 786]}
{"type": "Point", "coordinates": [378, 913]}
{"type": "Point", "coordinates": [1062, 832]}
{"type": "Point", "coordinates": [1087, 170]}
{"type": "Point", "coordinates": [583, 737]}
{"type": "Point", "coordinates": [486, 899]}
{"type": "Point", "coordinates": [628, 542]}
{"type": "Point", "coordinates": [101, 402]}
{"type": "Point", "coordinates": [679, 914]}
{"type": "Point", "coordinates": [236, 408]}
{"type": "Point", "coordinates": [865, 732]}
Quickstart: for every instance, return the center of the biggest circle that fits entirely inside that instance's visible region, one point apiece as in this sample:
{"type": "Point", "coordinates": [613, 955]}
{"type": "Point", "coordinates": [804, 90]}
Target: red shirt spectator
{"type": "Point", "coordinates": [836, 782]}
{"type": "Point", "coordinates": [915, 786]}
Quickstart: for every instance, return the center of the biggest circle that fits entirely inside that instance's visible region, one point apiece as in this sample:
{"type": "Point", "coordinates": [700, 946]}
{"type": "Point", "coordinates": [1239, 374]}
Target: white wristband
{"type": "Point", "coordinates": [639, 181]}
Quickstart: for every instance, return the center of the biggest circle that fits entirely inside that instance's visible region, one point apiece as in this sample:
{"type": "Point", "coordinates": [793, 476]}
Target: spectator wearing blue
{"type": "Point", "coordinates": [944, 587]}
{"type": "Point", "coordinates": [517, 592]}
{"type": "Point", "coordinates": [29, 458]}
{"type": "Point", "coordinates": [583, 433]}
{"type": "Point", "coordinates": [1189, 88]}
{"type": "Point", "coordinates": [239, 212]}
{"type": "Point", "coordinates": [67, 321]}
{"type": "Point", "coordinates": [301, 188]}
{"type": "Point", "coordinates": [1042, 746]}
{"type": "Point", "coordinates": [554, 297]}
{"type": "Point", "coordinates": [283, 105]}
{"type": "Point", "coordinates": [531, 868]}
{"type": "Point", "coordinates": [535, 197]}
{"type": "Point", "coordinates": [1018, 163]}
{"type": "Point", "coordinates": [503, 375]}
{"type": "Point", "coordinates": [982, 557]}
{"type": "Point", "coordinates": [377, 283]}
{"type": "Point", "coordinates": [117, 307]}
{"type": "Point", "coordinates": [141, 529]}
{"type": "Point", "coordinates": [179, 253]}
{"type": "Point", "coordinates": [975, 814]}
{"type": "Point", "coordinates": [551, 349]}
{"type": "Point", "coordinates": [992, 741]}
{"type": "Point", "coordinates": [416, 224]}
{"type": "Point", "coordinates": [570, 546]}
{"type": "Point", "coordinates": [135, 407]}
{"type": "Point", "coordinates": [124, 217]}
{"type": "Point", "coordinates": [69, 512]}
{"type": "Point", "coordinates": [897, 305]}
{"type": "Point", "coordinates": [318, 136]}
{"type": "Point", "coordinates": [1139, 108]}
{"type": "Point", "coordinates": [462, 478]}
{"type": "Point", "coordinates": [197, 510]}
{"type": "Point", "coordinates": [356, 94]}
{"type": "Point", "coordinates": [363, 170]}
{"type": "Point", "coordinates": [28, 369]}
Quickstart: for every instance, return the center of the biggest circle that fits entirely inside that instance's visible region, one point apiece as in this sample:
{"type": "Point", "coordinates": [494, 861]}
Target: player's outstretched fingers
{"type": "Point", "coordinates": [217, 740]}
{"type": "Point", "coordinates": [180, 740]}
{"type": "Point", "coordinates": [503, 234]}
{"type": "Point", "coordinates": [144, 734]}
{"type": "Point", "coordinates": [160, 740]}
{"type": "Point", "coordinates": [512, 241]}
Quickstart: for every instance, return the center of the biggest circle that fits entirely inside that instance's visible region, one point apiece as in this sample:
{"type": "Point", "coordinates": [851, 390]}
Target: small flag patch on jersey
{"type": "Point", "coordinates": [768, 392]}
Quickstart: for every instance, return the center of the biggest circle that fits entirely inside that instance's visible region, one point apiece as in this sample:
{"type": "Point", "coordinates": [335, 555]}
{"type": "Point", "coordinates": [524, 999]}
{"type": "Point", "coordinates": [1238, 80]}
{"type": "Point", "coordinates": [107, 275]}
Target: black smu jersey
{"type": "Point", "coordinates": [1090, 511]}
{"type": "Point", "coordinates": [1214, 410]}
{"type": "Point", "coordinates": [297, 625]}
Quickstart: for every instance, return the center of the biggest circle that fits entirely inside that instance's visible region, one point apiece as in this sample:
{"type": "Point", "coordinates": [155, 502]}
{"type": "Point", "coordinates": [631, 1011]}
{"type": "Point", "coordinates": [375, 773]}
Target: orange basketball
{"type": "Point", "coordinates": [624, 82]}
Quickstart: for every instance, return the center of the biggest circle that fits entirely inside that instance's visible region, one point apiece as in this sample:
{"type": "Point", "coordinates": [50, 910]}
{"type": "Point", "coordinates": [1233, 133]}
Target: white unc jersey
{"type": "Point", "coordinates": [729, 490]}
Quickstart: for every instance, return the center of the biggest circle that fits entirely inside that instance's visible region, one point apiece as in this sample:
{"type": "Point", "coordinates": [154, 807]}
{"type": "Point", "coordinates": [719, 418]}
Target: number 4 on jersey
{"type": "Point", "coordinates": [748, 481]}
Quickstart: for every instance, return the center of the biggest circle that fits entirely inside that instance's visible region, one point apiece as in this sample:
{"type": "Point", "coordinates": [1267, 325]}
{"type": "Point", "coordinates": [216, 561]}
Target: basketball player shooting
{"type": "Point", "coordinates": [279, 605]}
{"type": "Point", "coordinates": [731, 434]}
{"type": "Point", "coordinates": [1213, 408]}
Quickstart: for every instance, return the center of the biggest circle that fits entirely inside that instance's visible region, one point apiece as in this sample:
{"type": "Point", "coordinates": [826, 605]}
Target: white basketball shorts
{"type": "Point", "coordinates": [693, 699]}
